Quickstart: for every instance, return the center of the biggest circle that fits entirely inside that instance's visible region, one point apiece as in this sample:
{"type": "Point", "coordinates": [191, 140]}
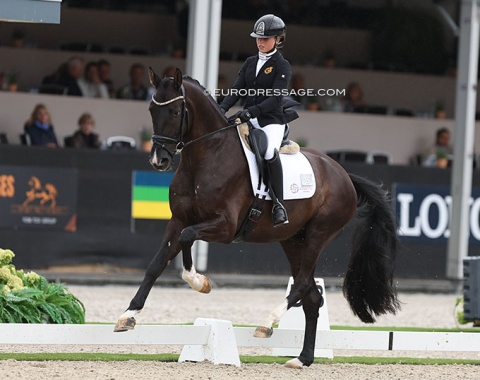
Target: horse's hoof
{"type": "Point", "coordinates": [207, 286]}
{"type": "Point", "coordinates": [294, 363]}
{"type": "Point", "coordinates": [125, 324]}
{"type": "Point", "coordinates": [263, 332]}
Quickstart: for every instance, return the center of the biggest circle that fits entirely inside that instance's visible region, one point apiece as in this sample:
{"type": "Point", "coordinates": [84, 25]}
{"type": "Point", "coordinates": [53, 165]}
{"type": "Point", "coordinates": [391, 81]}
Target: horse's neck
{"type": "Point", "coordinates": [219, 149]}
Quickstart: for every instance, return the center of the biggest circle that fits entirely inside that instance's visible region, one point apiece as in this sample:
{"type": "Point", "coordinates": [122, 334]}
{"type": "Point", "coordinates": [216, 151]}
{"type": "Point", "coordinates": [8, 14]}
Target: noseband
{"type": "Point", "coordinates": [179, 143]}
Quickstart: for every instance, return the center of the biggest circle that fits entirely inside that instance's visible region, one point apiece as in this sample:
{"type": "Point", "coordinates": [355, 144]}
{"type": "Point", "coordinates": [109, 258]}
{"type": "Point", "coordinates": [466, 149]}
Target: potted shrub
{"type": "Point", "coordinates": [440, 112]}
{"type": "Point", "coordinates": [146, 139]}
{"type": "Point", "coordinates": [442, 159]}
{"type": "Point", "coordinates": [12, 84]}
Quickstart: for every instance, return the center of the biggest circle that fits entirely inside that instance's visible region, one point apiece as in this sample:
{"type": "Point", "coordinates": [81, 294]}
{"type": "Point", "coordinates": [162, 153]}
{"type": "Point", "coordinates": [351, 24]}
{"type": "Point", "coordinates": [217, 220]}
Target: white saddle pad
{"type": "Point", "coordinates": [298, 177]}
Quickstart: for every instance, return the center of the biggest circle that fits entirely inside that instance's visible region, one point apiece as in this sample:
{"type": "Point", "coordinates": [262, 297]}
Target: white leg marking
{"type": "Point", "coordinates": [275, 315]}
{"type": "Point", "coordinates": [294, 363]}
{"type": "Point", "coordinates": [129, 314]}
{"type": "Point", "coordinates": [194, 279]}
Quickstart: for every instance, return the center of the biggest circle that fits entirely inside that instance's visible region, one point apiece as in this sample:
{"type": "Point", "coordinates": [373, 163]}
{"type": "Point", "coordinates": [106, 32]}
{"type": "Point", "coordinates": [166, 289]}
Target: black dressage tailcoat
{"type": "Point", "coordinates": [268, 108]}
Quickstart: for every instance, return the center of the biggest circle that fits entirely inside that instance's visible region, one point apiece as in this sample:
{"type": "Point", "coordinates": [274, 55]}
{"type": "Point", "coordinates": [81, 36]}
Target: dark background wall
{"type": "Point", "coordinates": [104, 225]}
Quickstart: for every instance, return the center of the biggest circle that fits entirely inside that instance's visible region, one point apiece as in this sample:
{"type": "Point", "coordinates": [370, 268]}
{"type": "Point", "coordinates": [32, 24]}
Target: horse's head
{"type": "Point", "coordinates": [169, 118]}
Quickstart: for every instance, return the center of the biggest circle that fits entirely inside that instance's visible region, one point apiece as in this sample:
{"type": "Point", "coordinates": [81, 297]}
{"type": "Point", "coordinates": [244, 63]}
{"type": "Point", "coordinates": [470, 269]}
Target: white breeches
{"type": "Point", "coordinates": [274, 134]}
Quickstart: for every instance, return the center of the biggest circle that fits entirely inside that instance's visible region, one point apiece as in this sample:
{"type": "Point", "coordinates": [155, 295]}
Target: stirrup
{"type": "Point", "coordinates": [279, 215]}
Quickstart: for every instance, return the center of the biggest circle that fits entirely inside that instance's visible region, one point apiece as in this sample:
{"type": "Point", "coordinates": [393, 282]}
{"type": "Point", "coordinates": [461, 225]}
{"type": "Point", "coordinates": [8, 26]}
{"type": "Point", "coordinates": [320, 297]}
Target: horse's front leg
{"type": "Point", "coordinates": [168, 250]}
{"type": "Point", "coordinates": [213, 230]}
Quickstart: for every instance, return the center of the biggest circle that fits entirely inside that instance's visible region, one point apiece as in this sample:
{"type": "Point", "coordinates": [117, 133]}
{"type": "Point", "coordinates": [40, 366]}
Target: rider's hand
{"type": "Point", "coordinates": [245, 116]}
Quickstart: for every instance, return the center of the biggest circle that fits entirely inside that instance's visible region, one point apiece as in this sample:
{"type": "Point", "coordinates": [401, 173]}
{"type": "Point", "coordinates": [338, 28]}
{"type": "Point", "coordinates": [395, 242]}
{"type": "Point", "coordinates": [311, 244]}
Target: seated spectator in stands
{"type": "Point", "coordinates": [441, 153]}
{"type": "Point", "coordinates": [353, 97]}
{"type": "Point", "coordinates": [18, 38]}
{"type": "Point", "coordinates": [39, 128]}
{"type": "Point", "coordinates": [84, 137]}
{"type": "Point", "coordinates": [136, 89]}
{"type": "Point", "coordinates": [104, 70]}
{"type": "Point", "coordinates": [91, 84]}
{"type": "Point", "coordinates": [67, 75]}
{"type": "Point", "coordinates": [299, 93]}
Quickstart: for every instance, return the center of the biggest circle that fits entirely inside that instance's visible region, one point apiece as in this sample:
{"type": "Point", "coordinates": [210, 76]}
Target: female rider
{"type": "Point", "coordinates": [266, 76]}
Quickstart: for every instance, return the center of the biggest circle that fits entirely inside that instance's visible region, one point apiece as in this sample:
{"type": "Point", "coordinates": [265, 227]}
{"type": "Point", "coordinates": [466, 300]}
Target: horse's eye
{"type": "Point", "coordinates": [176, 113]}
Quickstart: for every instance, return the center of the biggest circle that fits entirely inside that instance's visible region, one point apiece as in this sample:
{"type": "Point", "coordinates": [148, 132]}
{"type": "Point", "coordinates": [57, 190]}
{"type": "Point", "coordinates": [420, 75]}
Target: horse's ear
{"type": "Point", "coordinates": [178, 78]}
{"type": "Point", "coordinates": [154, 78]}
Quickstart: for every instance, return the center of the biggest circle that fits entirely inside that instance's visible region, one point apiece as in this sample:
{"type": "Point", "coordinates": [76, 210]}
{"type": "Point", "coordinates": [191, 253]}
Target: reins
{"type": "Point", "coordinates": [180, 144]}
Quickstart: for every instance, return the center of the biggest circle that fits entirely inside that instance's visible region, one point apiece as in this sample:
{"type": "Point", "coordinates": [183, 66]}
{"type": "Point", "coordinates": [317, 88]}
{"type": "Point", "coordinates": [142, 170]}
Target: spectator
{"type": "Point", "coordinates": [91, 84]}
{"type": "Point", "coordinates": [104, 70]}
{"type": "Point", "coordinates": [84, 137]}
{"type": "Point", "coordinates": [136, 89]}
{"type": "Point", "coordinates": [68, 75]}
{"type": "Point", "coordinates": [39, 129]}
{"type": "Point", "coordinates": [441, 153]}
{"type": "Point", "coordinates": [299, 94]}
{"type": "Point", "coordinates": [18, 38]}
{"type": "Point", "coordinates": [353, 97]}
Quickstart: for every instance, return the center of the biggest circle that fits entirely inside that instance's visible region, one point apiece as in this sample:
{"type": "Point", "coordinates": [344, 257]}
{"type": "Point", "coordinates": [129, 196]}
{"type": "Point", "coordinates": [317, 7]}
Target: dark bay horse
{"type": "Point", "coordinates": [210, 196]}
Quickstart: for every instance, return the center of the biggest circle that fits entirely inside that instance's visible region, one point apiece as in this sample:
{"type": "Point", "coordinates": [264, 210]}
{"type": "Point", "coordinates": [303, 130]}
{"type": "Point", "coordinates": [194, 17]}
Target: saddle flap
{"type": "Point", "coordinates": [258, 141]}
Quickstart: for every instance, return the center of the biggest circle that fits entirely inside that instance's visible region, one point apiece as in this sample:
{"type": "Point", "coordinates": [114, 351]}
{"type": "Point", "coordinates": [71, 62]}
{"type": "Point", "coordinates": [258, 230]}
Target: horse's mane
{"type": "Point", "coordinates": [207, 94]}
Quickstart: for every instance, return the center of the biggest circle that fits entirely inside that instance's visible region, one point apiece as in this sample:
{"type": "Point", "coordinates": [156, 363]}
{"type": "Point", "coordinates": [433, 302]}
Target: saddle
{"type": "Point", "coordinates": [256, 140]}
{"type": "Point", "coordinates": [287, 146]}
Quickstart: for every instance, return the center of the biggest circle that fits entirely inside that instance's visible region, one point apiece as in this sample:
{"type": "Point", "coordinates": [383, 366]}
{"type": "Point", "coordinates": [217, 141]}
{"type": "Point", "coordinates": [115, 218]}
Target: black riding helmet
{"type": "Point", "coordinates": [268, 26]}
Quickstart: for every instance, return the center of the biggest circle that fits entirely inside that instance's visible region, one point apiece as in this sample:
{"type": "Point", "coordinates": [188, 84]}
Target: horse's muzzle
{"type": "Point", "coordinates": [160, 162]}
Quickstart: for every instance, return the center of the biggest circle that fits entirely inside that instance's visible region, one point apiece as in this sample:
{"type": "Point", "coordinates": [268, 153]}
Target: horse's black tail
{"type": "Point", "coordinates": [368, 284]}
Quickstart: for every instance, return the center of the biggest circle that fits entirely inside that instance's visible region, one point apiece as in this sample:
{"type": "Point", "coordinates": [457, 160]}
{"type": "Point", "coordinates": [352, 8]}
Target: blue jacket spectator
{"type": "Point", "coordinates": [39, 129]}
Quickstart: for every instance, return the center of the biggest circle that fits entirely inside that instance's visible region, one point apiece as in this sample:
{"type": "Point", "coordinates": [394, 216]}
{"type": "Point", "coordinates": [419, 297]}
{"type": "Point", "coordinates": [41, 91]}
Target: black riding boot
{"type": "Point", "coordinates": [279, 214]}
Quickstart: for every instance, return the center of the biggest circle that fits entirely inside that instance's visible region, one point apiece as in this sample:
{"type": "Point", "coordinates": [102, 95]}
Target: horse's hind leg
{"type": "Point", "coordinates": [302, 253]}
{"type": "Point", "coordinates": [197, 281]}
{"type": "Point", "coordinates": [311, 304]}
{"type": "Point", "coordinates": [168, 250]}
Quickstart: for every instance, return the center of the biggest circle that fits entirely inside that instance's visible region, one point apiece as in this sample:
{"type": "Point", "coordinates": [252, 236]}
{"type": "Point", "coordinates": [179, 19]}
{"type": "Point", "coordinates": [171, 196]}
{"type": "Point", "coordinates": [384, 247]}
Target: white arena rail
{"type": "Point", "coordinates": [218, 341]}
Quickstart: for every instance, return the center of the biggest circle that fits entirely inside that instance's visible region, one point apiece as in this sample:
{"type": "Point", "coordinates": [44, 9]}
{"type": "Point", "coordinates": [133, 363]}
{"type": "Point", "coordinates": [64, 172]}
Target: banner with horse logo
{"type": "Point", "coordinates": [34, 197]}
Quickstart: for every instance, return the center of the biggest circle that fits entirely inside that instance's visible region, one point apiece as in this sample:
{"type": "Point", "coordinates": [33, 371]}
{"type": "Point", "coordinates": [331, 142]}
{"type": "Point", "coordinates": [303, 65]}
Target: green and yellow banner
{"type": "Point", "coordinates": [150, 195]}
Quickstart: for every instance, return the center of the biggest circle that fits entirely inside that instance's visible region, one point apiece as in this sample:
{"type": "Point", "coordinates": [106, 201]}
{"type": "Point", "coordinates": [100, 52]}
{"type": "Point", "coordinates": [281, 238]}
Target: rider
{"type": "Point", "coordinates": [265, 76]}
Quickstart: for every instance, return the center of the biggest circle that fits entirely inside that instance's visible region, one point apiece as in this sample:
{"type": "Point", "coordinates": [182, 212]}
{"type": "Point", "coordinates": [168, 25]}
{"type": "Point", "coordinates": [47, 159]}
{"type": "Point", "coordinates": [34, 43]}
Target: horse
{"type": "Point", "coordinates": [47, 193]}
{"type": "Point", "coordinates": [210, 195]}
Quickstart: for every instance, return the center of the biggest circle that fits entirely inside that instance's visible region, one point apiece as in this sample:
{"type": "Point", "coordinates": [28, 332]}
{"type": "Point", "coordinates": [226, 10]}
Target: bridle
{"type": "Point", "coordinates": [184, 121]}
{"type": "Point", "coordinates": [162, 140]}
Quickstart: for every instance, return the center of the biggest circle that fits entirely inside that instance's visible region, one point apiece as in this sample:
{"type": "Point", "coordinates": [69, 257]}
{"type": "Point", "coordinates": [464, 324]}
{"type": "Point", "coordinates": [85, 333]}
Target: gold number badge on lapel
{"type": "Point", "coordinates": [268, 70]}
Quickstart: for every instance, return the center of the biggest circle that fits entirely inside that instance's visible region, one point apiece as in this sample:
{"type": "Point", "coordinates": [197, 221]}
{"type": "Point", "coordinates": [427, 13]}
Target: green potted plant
{"type": "Point", "coordinates": [442, 159]}
{"type": "Point", "coordinates": [440, 112]}
{"type": "Point", "coordinates": [146, 139]}
{"type": "Point", "coordinates": [12, 84]}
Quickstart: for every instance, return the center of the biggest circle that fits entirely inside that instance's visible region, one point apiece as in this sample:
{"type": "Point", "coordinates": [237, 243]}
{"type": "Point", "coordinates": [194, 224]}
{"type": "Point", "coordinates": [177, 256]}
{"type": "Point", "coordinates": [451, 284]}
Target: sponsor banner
{"type": "Point", "coordinates": [424, 212]}
{"type": "Point", "coordinates": [34, 197]}
{"type": "Point", "coordinates": [150, 195]}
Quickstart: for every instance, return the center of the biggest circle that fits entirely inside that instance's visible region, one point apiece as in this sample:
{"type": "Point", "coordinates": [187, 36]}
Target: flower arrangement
{"type": "Point", "coordinates": [30, 298]}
